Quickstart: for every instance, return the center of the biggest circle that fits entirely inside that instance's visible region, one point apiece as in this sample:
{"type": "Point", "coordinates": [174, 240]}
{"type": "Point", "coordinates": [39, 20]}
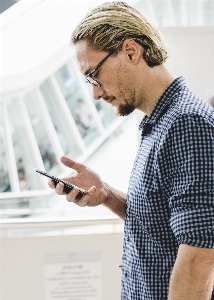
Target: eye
{"type": "Point", "coordinates": [96, 75]}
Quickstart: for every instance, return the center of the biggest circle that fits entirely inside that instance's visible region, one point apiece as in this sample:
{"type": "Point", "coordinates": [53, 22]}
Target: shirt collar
{"type": "Point", "coordinates": [163, 103]}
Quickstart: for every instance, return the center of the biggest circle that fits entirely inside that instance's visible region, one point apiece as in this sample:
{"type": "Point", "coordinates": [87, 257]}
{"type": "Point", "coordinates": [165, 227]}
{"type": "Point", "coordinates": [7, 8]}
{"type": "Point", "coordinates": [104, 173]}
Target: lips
{"type": "Point", "coordinates": [109, 99]}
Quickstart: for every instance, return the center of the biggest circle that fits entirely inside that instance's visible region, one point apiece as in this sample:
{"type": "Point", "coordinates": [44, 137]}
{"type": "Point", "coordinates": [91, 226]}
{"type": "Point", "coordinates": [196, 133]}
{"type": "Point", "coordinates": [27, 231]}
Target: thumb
{"type": "Point", "coordinates": [72, 164]}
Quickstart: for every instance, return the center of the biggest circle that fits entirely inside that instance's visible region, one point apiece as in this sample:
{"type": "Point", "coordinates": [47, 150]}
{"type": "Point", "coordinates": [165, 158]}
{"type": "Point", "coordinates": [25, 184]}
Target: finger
{"type": "Point", "coordinates": [92, 191]}
{"type": "Point", "coordinates": [87, 198]}
{"type": "Point", "coordinates": [52, 184]}
{"type": "Point", "coordinates": [70, 163]}
{"type": "Point", "coordinates": [71, 197]}
{"type": "Point", "coordinates": [59, 188]}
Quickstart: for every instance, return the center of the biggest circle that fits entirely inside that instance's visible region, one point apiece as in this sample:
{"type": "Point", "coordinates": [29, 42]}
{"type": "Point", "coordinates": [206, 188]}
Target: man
{"type": "Point", "coordinates": [169, 208]}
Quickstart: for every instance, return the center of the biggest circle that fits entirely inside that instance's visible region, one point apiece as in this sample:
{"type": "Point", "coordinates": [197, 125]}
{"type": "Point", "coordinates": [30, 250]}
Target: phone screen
{"type": "Point", "coordinates": [67, 186]}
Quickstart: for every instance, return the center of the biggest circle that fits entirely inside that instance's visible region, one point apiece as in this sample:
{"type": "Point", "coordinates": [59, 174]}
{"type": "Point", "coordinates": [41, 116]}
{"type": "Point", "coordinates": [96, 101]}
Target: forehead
{"type": "Point", "coordinates": [87, 57]}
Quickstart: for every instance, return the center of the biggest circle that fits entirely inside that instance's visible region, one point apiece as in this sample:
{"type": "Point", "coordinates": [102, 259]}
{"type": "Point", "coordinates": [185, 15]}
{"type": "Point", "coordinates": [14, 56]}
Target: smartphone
{"type": "Point", "coordinates": [67, 186]}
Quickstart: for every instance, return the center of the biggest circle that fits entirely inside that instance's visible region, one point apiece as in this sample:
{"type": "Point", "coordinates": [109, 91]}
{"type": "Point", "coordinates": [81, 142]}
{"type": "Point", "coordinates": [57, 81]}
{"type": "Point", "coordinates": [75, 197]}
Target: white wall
{"type": "Point", "coordinates": [23, 262]}
{"type": "Point", "coordinates": [191, 55]}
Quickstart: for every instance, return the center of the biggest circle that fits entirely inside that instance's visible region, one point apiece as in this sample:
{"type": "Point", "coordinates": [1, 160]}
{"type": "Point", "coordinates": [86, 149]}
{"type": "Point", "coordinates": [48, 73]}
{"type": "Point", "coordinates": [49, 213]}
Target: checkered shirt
{"type": "Point", "coordinates": [170, 199]}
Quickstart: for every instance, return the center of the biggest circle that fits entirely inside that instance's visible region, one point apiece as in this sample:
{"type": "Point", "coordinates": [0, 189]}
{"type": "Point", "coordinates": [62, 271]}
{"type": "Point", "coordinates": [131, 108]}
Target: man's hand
{"type": "Point", "coordinates": [193, 274]}
{"type": "Point", "coordinates": [86, 178]}
{"type": "Point", "coordinates": [98, 192]}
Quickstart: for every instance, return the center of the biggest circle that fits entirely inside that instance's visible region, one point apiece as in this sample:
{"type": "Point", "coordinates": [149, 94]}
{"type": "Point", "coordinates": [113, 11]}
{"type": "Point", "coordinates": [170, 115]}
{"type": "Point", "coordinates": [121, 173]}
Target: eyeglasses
{"type": "Point", "coordinates": [89, 78]}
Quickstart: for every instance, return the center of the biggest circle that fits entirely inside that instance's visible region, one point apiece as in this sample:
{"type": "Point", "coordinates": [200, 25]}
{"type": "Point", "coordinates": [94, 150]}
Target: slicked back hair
{"type": "Point", "coordinates": [106, 27]}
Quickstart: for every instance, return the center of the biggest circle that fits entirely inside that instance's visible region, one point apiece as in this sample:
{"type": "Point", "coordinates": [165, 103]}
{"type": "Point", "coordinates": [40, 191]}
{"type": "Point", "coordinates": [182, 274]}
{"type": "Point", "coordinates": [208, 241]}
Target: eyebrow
{"type": "Point", "coordinates": [92, 69]}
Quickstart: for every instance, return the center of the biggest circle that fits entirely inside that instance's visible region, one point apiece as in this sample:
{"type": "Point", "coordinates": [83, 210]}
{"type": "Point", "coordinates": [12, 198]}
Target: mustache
{"type": "Point", "coordinates": [109, 98]}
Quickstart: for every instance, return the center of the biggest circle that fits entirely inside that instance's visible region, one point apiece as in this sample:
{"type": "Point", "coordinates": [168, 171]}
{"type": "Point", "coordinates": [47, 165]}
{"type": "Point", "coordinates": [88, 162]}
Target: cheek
{"type": "Point", "coordinates": [124, 80]}
{"type": "Point", "coordinates": [126, 92]}
{"type": "Point", "coordinates": [118, 83]}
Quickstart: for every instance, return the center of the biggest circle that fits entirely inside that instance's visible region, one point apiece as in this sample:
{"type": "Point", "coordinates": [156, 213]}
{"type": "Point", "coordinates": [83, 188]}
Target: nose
{"type": "Point", "coordinates": [98, 92]}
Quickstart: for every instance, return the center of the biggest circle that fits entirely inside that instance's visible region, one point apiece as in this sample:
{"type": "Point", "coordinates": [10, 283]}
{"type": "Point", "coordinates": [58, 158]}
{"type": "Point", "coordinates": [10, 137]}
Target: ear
{"type": "Point", "coordinates": [132, 50]}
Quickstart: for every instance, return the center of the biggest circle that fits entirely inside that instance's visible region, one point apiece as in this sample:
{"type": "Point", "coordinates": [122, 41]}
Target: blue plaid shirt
{"type": "Point", "coordinates": [170, 199]}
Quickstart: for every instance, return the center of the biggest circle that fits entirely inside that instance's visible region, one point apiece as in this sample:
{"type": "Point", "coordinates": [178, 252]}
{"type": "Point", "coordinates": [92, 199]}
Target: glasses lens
{"type": "Point", "coordinates": [91, 80]}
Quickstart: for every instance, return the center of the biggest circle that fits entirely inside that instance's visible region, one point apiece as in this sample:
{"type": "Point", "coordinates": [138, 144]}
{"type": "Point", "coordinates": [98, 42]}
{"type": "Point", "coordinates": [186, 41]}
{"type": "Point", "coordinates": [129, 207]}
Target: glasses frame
{"type": "Point", "coordinates": [89, 78]}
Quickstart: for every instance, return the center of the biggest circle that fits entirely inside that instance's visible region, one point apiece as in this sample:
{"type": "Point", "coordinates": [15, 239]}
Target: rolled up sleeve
{"type": "Point", "coordinates": [188, 181]}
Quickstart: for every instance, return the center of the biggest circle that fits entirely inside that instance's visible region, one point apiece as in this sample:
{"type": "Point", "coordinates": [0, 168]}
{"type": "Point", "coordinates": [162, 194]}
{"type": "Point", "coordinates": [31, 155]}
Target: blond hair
{"type": "Point", "coordinates": [109, 24]}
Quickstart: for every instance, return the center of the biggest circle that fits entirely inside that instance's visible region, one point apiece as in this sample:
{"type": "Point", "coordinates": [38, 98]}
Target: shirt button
{"type": "Point", "coordinates": [126, 274]}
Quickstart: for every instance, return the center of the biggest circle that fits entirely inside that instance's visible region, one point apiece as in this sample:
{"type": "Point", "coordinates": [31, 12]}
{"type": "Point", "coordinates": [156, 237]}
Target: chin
{"type": "Point", "coordinates": [125, 110]}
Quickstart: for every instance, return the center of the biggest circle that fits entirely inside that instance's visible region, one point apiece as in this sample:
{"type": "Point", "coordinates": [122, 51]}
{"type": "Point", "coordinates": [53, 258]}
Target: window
{"type": "Point", "coordinates": [4, 176]}
{"type": "Point", "coordinates": [62, 127]}
{"type": "Point", "coordinates": [77, 105]}
{"type": "Point", "coordinates": [43, 138]}
{"type": "Point", "coordinates": [22, 147]}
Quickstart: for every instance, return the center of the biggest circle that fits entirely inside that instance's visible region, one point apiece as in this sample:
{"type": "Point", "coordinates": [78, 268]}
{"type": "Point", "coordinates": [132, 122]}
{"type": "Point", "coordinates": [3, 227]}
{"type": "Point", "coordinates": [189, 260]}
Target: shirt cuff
{"type": "Point", "coordinates": [198, 238]}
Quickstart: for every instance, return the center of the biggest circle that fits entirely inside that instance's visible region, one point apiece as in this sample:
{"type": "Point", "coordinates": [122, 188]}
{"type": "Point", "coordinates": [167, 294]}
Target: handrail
{"type": "Point", "coordinates": [59, 222]}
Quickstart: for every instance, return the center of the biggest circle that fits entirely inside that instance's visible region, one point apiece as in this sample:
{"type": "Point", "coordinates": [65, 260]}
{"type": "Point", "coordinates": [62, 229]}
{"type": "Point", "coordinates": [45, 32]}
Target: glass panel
{"type": "Point", "coordinates": [142, 7]}
{"type": "Point", "coordinates": [23, 150]}
{"type": "Point", "coordinates": [161, 12]}
{"type": "Point", "coordinates": [176, 5]}
{"type": "Point", "coordinates": [21, 207]}
{"type": "Point", "coordinates": [66, 136]}
{"type": "Point", "coordinates": [43, 140]}
{"type": "Point", "coordinates": [208, 11]}
{"type": "Point", "coordinates": [77, 104]}
{"type": "Point", "coordinates": [192, 13]}
{"type": "Point", "coordinates": [4, 176]}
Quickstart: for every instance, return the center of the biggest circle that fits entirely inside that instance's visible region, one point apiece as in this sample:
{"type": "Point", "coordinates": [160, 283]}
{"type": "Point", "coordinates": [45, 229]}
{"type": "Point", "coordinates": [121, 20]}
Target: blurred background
{"type": "Point", "coordinates": [47, 110]}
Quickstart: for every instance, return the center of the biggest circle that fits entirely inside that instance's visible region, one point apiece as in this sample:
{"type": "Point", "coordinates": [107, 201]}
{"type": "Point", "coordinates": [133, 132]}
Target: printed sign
{"type": "Point", "coordinates": [73, 281]}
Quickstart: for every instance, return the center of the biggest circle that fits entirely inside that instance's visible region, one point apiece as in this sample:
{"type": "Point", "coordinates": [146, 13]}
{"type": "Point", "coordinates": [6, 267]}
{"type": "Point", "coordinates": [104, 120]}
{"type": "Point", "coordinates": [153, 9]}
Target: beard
{"type": "Point", "coordinates": [129, 98]}
{"type": "Point", "coordinates": [125, 110]}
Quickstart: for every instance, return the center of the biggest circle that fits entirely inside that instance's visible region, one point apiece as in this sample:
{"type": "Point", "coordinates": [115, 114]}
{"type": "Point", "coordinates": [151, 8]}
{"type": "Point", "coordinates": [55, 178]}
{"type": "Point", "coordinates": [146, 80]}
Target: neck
{"type": "Point", "coordinates": [155, 81]}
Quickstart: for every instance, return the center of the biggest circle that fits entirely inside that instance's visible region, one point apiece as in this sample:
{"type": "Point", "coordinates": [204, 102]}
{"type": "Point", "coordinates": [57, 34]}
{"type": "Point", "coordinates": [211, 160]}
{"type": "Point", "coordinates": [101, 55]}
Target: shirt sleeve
{"type": "Point", "coordinates": [187, 178]}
